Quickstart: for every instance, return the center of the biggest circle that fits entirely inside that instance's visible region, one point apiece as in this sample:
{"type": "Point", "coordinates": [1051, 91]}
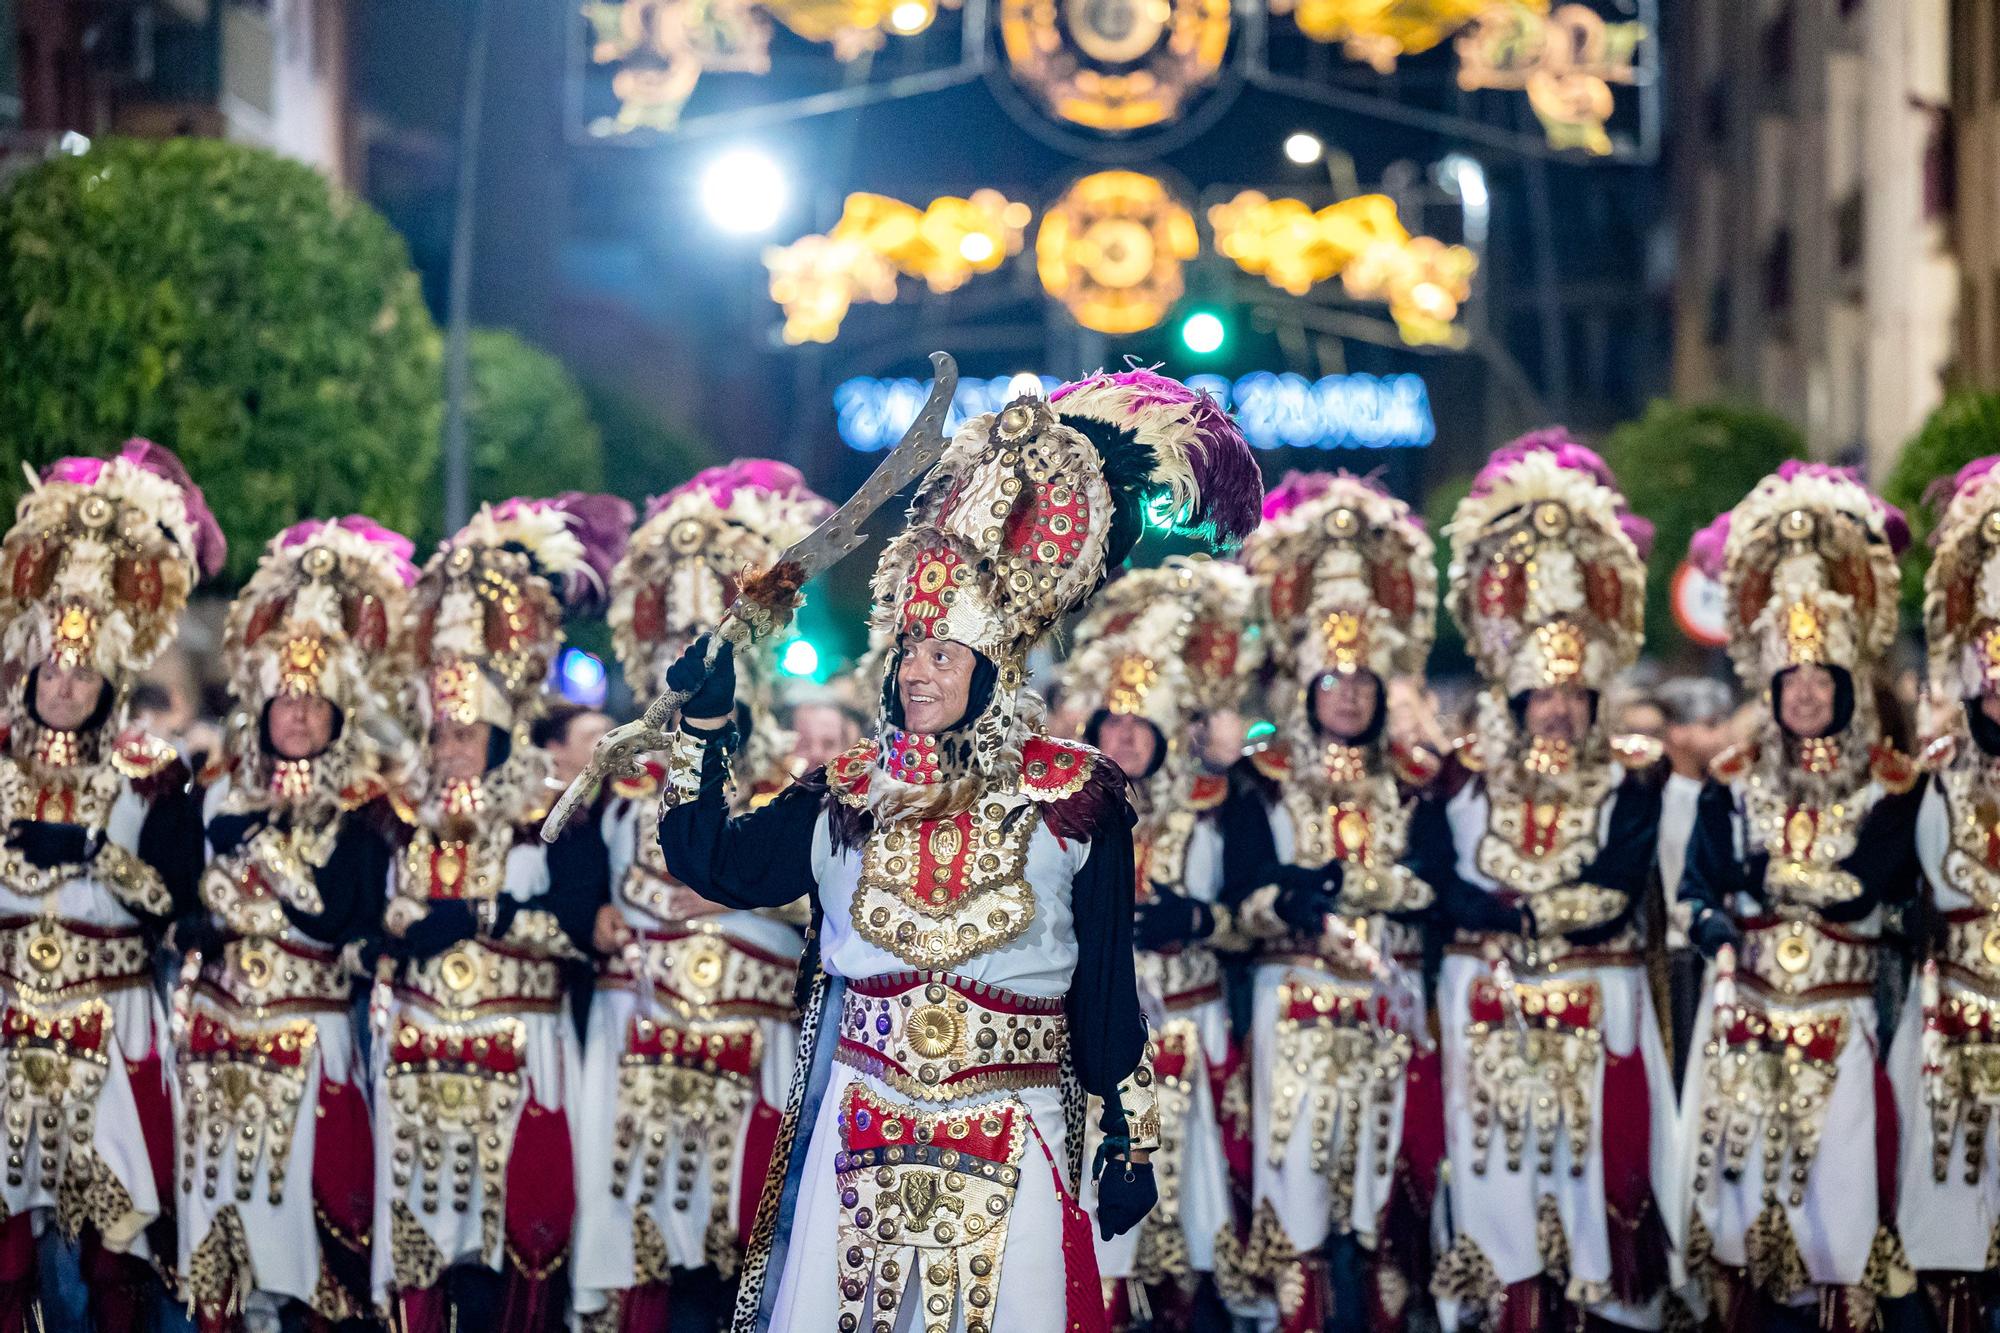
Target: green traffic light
{"type": "Point", "coordinates": [1203, 333]}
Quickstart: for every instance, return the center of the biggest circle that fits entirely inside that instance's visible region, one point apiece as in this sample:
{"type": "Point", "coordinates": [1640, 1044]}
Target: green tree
{"type": "Point", "coordinates": [1449, 655]}
{"type": "Point", "coordinates": [229, 304]}
{"type": "Point", "coordinates": [1680, 467]}
{"type": "Point", "coordinates": [1963, 427]}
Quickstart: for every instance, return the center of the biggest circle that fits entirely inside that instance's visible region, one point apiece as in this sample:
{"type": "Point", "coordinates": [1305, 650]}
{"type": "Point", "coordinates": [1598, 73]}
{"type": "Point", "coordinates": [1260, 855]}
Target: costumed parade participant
{"type": "Point", "coordinates": [476, 1055]}
{"type": "Point", "coordinates": [1162, 650]}
{"type": "Point", "coordinates": [972, 884]}
{"type": "Point", "coordinates": [102, 848]}
{"type": "Point", "coordinates": [1327, 866]}
{"type": "Point", "coordinates": [1803, 836]}
{"type": "Point", "coordinates": [1945, 1061]}
{"type": "Point", "coordinates": [275, 1179]}
{"type": "Point", "coordinates": [683, 1084]}
{"type": "Point", "coordinates": [1559, 1099]}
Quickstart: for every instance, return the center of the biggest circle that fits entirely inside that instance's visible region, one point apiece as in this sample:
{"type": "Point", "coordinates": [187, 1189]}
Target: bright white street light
{"type": "Point", "coordinates": [1203, 333]}
{"type": "Point", "coordinates": [975, 247]}
{"type": "Point", "coordinates": [744, 191]}
{"type": "Point", "coordinates": [910, 18]}
{"type": "Point", "coordinates": [1303, 148]}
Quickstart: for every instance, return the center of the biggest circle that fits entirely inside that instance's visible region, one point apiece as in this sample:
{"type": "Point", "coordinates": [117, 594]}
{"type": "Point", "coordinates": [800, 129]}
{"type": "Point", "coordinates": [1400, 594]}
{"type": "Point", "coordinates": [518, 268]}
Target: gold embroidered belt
{"type": "Point", "coordinates": [261, 974]}
{"type": "Point", "coordinates": [1391, 939]}
{"type": "Point", "coordinates": [477, 976]}
{"type": "Point", "coordinates": [1183, 980]}
{"type": "Point", "coordinates": [929, 1194]}
{"type": "Point", "coordinates": [702, 973]}
{"type": "Point", "coordinates": [1805, 960]}
{"type": "Point", "coordinates": [52, 960]}
{"type": "Point", "coordinates": [937, 1037]}
{"type": "Point", "coordinates": [1548, 955]}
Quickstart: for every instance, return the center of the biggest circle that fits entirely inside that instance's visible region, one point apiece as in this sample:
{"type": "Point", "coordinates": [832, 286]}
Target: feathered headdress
{"type": "Point", "coordinates": [97, 568]}
{"type": "Point", "coordinates": [1962, 589]}
{"type": "Point", "coordinates": [1809, 573]}
{"type": "Point", "coordinates": [325, 616]}
{"type": "Point", "coordinates": [487, 610]}
{"type": "Point", "coordinates": [1548, 570]}
{"type": "Point", "coordinates": [1024, 515]}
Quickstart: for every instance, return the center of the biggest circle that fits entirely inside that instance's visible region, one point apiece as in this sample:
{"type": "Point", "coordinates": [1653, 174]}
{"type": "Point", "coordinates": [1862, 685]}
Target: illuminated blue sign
{"type": "Point", "coordinates": [1275, 411]}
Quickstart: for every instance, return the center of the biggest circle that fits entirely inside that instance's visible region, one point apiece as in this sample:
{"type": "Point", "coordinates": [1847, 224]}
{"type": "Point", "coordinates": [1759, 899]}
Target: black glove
{"type": "Point", "coordinates": [448, 921]}
{"type": "Point", "coordinates": [1169, 918]}
{"type": "Point", "coordinates": [227, 832]}
{"type": "Point", "coordinates": [1711, 930]}
{"type": "Point", "coordinates": [1126, 1192]}
{"type": "Point", "coordinates": [199, 932]}
{"type": "Point", "coordinates": [46, 844]}
{"type": "Point", "coordinates": [713, 692]}
{"type": "Point", "coordinates": [1305, 896]}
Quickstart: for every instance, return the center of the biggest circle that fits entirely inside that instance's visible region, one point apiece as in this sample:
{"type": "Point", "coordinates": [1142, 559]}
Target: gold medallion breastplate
{"type": "Point", "coordinates": [79, 794]}
{"type": "Point", "coordinates": [1806, 840]}
{"type": "Point", "coordinates": [1364, 825]}
{"type": "Point", "coordinates": [249, 888]}
{"type": "Point", "coordinates": [1539, 835]}
{"type": "Point", "coordinates": [1971, 862]}
{"type": "Point", "coordinates": [936, 892]}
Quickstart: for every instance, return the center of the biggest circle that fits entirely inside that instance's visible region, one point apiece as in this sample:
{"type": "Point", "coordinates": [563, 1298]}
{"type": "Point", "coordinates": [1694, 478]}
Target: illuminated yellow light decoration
{"type": "Point", "coordinates": [1111, 250]}
{"type": "Point", "coordinates": [1378, 32]}
{"type": "Point", "coordinates": [1565, 61]}
{"type": "Point", "coordinates": [1362, 242]}
{"type": "Point", "coordinates": [1114, 65]}
{"type": "Point", "coordinates": [663, 47]}
{"type": "Point", "coordinates": [816, 279]}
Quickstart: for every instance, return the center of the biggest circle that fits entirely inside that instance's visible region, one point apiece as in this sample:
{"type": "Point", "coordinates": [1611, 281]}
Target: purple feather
{"type": "Point", "coordinates": [1639, 529]}
{"type": "Point", "coordinates": [722, 482]}
{"type": "Point", "coordinates": [601, 523]}
{"type": "Point", "coordinates": [1706, 547]}
{"type": "Point", "coordinates": [1550, 440]}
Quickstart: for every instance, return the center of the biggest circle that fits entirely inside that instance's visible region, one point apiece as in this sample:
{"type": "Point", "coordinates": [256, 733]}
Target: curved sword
{"type": "Point", "coordinates": [618, 754]}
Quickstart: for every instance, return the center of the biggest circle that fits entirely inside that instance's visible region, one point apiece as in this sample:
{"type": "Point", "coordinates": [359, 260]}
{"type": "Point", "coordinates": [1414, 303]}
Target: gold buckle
{"type": "Point", "coordinates": [458, 971]}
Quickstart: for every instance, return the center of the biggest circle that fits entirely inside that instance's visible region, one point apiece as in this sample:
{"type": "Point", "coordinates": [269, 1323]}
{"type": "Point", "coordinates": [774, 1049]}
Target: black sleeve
{"type": "Point", "coordinates": [761, 859]}
{"type": "Point", "coordinates": [1249, 849]}
{"type": "Point", "coordinates": [170, 841]}
{"type": "Point", "coordinates": [1432, 856]}
{"type": "Point", "coordinates": [579, 881]}
{"type": "Point", "coordinates": [1885, 856]}
{"type": "Point", "coordinates": [1714, 873]}
{"type": "Point", "coordinates": [1107, 1032]}
{"type": "Point", "coordinates": [1629, 857]}
{"type": "Point", "coordinates": [352, 886]}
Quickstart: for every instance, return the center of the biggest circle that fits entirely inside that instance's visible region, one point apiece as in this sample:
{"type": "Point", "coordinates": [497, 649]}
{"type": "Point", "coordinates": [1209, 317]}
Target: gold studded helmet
{"type": "Point", "coordinates": [323, 616]}
{"type": "Point", "coordinates": [1962, 589]}
{"type": "Point", "coordinates": [1169, 645]}
{"type": "Point", "coordinates": [1809, 574]}
{"type": "Point", "coordinates": [1347, 579]}
{"type": "Point", "coordinates": [1027, 510]}
{"type": "Point", "coordinates": [681, 569]}
{"type": "Point", "coordinates": [1548, 568]}
{"type": "Point", "coordinates": [486, 614]}
{"type": "Point", "coordinates": [99, 563]}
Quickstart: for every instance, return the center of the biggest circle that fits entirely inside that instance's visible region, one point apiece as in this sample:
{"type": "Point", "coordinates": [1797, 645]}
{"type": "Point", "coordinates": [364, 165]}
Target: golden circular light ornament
{"type": "Point", "coordinates": [1111, 251]}
{"type": "Point", "coordinates": [1114, 65]}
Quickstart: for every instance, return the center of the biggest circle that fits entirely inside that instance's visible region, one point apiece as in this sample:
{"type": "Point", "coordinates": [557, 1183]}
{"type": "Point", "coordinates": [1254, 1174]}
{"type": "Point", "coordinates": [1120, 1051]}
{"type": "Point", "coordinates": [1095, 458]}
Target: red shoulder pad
{"type": "Point", "coordinates": [362, 791]}
{"type": "Point", "coordinates": [1733, 762]}
{"type": "Point", "coordinates": [1208, 791]}
{"type": "Point", "coordinates": [1416, 766]}
{"type": "Point", "coordinates": [1896, 771]}
{"type": "Point", "coordinates": [847, 773]}
{"type": "Point", "coordinates": [1274, 761]}
{"type": "Point", "coordinates": [1053, 770]}
{"type": "Point", "coordinates": [642, 785]}
{"type": "Point", "coordinates": [140, 754]}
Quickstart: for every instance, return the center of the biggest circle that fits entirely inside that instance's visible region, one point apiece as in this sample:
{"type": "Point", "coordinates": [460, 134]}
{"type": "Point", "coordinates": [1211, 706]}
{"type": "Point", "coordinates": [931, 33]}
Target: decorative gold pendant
{"type": "Point", "coordinates": [458, 971]}
{"type": "Point", "coordinates": [45, 951]}
{"type": "Point", "coordinates": [1795, 952]}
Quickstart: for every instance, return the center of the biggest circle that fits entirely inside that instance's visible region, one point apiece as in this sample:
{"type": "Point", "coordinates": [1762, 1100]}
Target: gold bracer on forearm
{"type": "Point", "coordinates": [683, 758]}
{"type": "Point", "coordinates": [1574, 907]}
{"type": "Point", "coordinates": [535, 929]}
{"type": "Point", "coordinates": [134, 883]}
{"type": "Point", "coordinates": [1228, 935]}
{"type": "Point", "coordinates": [1139, 1098]}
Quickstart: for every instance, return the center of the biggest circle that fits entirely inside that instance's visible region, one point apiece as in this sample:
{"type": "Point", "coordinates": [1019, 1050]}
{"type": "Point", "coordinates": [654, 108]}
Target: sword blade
{"type": "Point", "coordinates": [825, 546]}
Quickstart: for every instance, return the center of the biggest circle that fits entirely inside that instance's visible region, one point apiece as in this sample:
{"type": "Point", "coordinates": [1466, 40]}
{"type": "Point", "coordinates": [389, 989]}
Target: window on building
{"type": "Point", "coordinates": [1778, 273]}
{"type": "Point", "coordinates": [1848, 220]}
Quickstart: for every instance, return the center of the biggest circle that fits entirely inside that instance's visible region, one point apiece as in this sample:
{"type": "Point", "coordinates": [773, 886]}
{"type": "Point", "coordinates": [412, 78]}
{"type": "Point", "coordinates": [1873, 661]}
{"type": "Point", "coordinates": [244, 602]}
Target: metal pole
{"type": "Point", "coordinates": [458, 300]}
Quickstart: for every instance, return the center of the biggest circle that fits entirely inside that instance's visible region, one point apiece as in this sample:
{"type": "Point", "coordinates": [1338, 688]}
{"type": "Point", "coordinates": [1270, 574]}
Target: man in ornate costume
{"type": "Point", "coordinates": [276, 1195]}
{"type": "Point", "coordinates": [1804, 835]}
{"type": "Point", "coordinates": [1162, 650]}
{"type": "Point", "coordinates": [1945, 1063]}
{"type": "Point", "coordinates": [1557, 1085]}
{"type": "Point", "coordinates": [476, 1057]}
{"type": "Point", "coordinates": [1329, 869]}
{"type": "Point", "coordinates": [972, 883]}
{"type": "Point", "coordinates": [683, 1083]}
{"type": "Point", "coordinates": [103, 843]}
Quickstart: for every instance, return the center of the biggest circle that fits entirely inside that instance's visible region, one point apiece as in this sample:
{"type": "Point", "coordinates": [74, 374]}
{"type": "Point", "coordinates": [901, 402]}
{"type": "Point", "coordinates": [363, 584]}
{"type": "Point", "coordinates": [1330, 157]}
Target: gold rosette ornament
{"type": "Point", "coordinates": [1111, 251]}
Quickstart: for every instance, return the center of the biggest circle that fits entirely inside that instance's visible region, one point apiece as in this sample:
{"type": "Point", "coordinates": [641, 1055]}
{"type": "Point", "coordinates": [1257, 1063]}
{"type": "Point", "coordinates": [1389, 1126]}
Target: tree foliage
{"type": "Point", "coordinates": [1963, 427]}
{"type": "Point", "coordinates": [1680, 466]}
{"type": "Point", "coordinates": [229, 304]}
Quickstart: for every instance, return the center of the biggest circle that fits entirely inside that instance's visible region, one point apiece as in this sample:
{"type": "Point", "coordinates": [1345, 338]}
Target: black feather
{"type": "Point", "coordinates": [1128, 471]}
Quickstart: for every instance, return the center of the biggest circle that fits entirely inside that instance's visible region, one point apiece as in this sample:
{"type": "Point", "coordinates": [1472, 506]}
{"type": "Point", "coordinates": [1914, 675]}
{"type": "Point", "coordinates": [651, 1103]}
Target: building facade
{"type": "Point", "coordinates": [1815, 273]}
